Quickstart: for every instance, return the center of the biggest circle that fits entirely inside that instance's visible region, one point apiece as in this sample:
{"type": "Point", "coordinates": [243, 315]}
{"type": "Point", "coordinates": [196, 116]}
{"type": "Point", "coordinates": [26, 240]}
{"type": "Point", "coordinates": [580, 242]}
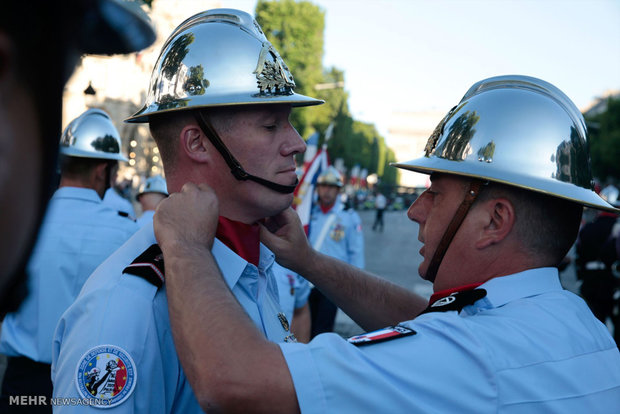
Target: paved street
{"type": "Point", "coordinates": [392, 254]}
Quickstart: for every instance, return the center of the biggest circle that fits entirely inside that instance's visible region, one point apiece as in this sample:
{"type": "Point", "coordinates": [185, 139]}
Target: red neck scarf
{"type": "Point", "coordinates": [325, 209]}
{"type": "Point", "coordinates": [241, 238]}
{"type": "Point", "coordinates": [447, 292]}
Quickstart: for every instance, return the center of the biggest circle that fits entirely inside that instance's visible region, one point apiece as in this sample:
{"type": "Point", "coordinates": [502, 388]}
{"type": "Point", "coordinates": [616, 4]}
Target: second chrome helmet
{"type": "Point", "coordinates": [515, 130]}
{"type": "Point", "coordinates": [92, 135]}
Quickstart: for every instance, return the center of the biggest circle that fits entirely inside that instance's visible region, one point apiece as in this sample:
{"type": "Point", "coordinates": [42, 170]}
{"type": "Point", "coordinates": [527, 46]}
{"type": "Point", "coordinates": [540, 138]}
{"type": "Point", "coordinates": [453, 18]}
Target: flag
{"type": "Point", "coordinates": [304, 192]}
{"type": "Point", "coordinates": [312, 145]}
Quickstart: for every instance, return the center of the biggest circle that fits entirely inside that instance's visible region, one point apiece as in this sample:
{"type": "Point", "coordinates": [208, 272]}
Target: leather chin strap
{"type": "Point", "coordinates": [235, 167]}
{"type": "Point", "coordinates": [455, 224]}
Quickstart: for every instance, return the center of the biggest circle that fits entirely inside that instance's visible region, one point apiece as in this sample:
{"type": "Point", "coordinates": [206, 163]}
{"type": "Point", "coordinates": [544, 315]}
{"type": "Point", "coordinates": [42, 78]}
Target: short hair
{"type": "Point", "coordinates": [78, 167]}
{"type": "Point", "coordinates": [165, 129]}
{"type": "Point", "coordinates": [546, 225]}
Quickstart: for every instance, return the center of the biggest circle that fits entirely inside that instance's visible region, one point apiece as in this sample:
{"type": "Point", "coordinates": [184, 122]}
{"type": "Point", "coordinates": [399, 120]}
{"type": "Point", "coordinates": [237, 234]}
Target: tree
{"type": "Point", "coordinates": [295, 28]}
{"type": "Point", "coordinates": [296, 31]}
{"type": "Point", "coordinates": [604, 140]}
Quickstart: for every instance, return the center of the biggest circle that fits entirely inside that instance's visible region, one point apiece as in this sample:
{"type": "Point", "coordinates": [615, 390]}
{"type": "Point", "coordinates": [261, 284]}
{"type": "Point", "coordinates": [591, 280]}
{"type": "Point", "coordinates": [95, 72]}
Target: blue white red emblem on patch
{"type": "Point", "coordinates": [106, 375]}
{"type": "Point", "coordinates": [385, 334]}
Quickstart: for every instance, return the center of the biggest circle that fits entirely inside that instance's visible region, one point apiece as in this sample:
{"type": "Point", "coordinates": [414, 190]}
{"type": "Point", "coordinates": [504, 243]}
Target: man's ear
{"type": "Point", "coordinates": [100, 171]}
{"type": "Point", "coordinates": [194, 143]}
{"type": "Point", "coordinates": [499, 219]}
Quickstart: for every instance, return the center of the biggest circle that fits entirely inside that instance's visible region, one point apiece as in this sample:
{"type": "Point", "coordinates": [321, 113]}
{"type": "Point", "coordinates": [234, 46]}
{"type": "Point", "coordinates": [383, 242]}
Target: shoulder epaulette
{"type": "Point", "coordinates": [456, 301]}
{"type": "Point", "coordinates": [126, 215]}
{"type": "Point", "coordinates": [149, 265]}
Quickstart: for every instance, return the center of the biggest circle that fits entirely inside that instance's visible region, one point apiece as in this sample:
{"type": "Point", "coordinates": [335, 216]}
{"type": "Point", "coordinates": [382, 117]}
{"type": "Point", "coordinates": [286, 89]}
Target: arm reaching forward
{"type": "Point", "coordinates": [231, 366]}
{"type": "Point", "coordinates": [372, 302]}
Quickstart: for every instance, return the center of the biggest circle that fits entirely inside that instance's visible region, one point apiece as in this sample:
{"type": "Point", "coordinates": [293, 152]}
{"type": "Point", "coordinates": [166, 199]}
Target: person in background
{"type": "Point", "coordinates": [336, 231]}
{"type": "Point", "coordinates": [380, 205]}
{"type": "Point", "coordinates": [116, 197]}
{"type": "Point", "coordinates": [152, 191]}
{"type": "Point", "coordinates": [38, 53]}
{"type": "Point", "coordinates": [228, 126]}
{"type": "Point", "coordinates": [78, 233]}
{"type": "Point", "coordinates": [595, 256]}
{"type": "Point", "coordinates": [499, 324]}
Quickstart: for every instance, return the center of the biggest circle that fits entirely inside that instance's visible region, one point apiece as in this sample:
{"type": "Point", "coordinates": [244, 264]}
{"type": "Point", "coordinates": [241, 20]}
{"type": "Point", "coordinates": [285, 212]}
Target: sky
{"type": "Point", "coordinates": [420, 55]}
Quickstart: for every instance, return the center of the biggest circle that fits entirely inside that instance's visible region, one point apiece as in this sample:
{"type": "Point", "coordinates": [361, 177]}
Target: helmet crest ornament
{"type": "Point", "coordinates": [273, 78]}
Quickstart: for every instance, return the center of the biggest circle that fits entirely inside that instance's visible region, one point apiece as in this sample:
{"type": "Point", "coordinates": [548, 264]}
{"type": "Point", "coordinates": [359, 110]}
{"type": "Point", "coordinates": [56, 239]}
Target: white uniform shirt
{"type": "Point", "coordinates": [78, 233]}
{"type": "Point", "coordinates": [123, 319]}
{"type": "Point", "coordinates": [527, 347]}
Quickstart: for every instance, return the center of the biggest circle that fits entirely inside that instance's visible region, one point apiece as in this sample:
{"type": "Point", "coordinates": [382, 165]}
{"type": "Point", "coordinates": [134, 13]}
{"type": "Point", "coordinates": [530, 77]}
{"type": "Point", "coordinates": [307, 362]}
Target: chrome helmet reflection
{"type": "Point", "coordinates": [154, 184]}
{"type": "Point", "coordinates": [516, 130]}
{"type": "Point", "coordinates": [215, 58]}
{"type": "Point", "coordinates": [92, 135]}
{"type": "Point", "coordinates": [331, 176]}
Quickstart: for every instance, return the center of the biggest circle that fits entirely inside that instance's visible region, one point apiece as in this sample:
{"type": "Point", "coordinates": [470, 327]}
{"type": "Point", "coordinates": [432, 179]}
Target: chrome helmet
{"type": "Point", "coordinates": [215, 58]}
{"type": "Point", "coordinates": [515, 130]}
{"type": "Point", "coordinates": [92, 135]}
{"type": "Point", "coordinates": [154, 184]}
{"type": "Point", "coordinates": [331, 176]}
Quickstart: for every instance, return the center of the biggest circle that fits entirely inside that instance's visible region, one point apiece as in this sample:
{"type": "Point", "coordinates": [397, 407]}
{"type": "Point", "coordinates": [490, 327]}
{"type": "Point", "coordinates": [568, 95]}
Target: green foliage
{"type": "Point", "coordinates": [295, 28]}
{"type": "Point", "coordinates": [604, 139]}
{"type": "Point", "coordinates": [296, 31]}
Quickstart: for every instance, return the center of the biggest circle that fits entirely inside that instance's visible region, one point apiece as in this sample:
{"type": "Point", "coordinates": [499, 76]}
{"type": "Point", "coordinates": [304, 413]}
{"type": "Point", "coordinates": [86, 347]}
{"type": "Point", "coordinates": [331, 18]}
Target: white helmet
{"type": "Point", "coordinates": [92, 135]}
{"type": "Point", "coordinates": [154, 184]}
{"type": "Point", "coordinates": [331, 176]}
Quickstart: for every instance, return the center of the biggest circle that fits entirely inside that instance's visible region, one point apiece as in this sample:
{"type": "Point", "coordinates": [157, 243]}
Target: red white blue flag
{"type": "Point", "coordinates": [304, 193]}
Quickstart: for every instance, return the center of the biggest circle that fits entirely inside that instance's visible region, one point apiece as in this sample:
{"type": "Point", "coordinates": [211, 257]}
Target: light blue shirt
{"type": "Point", "coordinates": [115, 201]}
{"type": "Point", "coordinates": [344, 239]}
{"type": "Point", "coordinates": [78, 233]}
{"type": "Point", "coordinates": [293, 290]}
{"type": "Point", "coordinates": [146, 217]}
{"type": "Point", "coordinates": [129, 315]}
{"type": "Point", "coordinates": [527, 347]}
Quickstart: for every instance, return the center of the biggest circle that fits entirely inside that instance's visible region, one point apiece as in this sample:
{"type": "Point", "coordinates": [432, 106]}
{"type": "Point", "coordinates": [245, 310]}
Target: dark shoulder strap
{"type": "Point", "coordinates": [149, 265]}
{"type": "Point", "coordinates": [456, 301]}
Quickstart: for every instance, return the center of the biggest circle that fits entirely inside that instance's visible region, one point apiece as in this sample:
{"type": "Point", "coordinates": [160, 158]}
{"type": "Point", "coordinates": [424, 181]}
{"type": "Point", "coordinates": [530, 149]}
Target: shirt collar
{"type": "Point", "coordinates": [80, 193]}
{"type": "Point", "coordinates": [243, 239]}
{"type": "Point", "coordinates": [532, 282]}
{"type": "Point", "coordinates": [231, 264]}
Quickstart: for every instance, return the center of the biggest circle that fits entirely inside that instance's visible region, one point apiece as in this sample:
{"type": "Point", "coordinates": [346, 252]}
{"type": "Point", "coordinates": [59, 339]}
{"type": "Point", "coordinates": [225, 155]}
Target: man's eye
{"type": "Point", "coordinates": [270, 127]}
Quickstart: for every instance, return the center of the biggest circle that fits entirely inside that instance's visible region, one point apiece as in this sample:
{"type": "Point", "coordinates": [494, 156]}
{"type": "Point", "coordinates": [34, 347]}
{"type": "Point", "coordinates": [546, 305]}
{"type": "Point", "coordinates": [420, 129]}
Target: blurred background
{"type": "Point", "coordinates": [388, 70]}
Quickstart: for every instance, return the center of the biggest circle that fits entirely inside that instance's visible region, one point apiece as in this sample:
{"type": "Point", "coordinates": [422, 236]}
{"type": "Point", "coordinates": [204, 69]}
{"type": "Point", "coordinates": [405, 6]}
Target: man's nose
{"type": "Point", "coordinates": [294, 142]}
{"type": "Point", "coordinates": [417, 210]}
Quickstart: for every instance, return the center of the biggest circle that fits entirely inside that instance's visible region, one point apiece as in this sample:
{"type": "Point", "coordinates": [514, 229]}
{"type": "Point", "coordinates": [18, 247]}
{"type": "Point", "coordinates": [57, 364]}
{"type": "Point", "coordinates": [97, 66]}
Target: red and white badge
{"type": "Point", "coordinates": [385, 334]}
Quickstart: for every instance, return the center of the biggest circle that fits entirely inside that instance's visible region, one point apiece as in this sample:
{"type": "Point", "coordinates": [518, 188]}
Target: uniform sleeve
{"type": "Point", "coordinates": [106, 353]}
{"type": "Point", "coordinates": [355, 241]}
{"type": "Point", "coordinates": [302, 291]}
{"type": "Point", "coordinates": [425, 372]}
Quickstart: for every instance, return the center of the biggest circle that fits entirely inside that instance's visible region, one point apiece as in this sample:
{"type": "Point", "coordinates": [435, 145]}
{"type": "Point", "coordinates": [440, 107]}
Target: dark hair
{"type": "Point", "coordinates": [546, 225]}
{"type": "Point", "coordinates": [165, 128]}
{"type": "Point", "coordinates": [77, 167]}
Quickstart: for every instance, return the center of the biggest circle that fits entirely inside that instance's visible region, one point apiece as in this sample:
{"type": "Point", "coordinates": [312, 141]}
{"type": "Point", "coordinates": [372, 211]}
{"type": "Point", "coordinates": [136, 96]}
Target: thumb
{"type": "Point", "coordinates": [267, 237]}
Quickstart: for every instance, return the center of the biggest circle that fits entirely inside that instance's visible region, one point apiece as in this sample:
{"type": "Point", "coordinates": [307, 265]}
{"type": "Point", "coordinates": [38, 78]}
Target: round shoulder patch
{"type": "Point", "coordinates": [106, 376]}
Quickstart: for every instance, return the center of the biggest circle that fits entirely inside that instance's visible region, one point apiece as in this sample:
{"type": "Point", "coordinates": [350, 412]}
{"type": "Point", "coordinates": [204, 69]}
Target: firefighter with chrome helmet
{"type": "Point", "coordinates": [41, 42]}
{"type": "Point", "coordinates": [336, 231]}
{"type": "Point", "coordinates": [510, 174]}
{"type": "Point", "coordinates": [218, 108]}
{"type": "Point", "coordinates": [152, 191]}
{"type": "Point", "coordinates": [78, 233]}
